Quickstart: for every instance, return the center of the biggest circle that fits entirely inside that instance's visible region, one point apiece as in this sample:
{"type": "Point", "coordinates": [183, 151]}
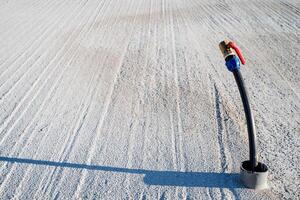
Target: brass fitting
{"type": "Point", "coordinates": [225, 49]}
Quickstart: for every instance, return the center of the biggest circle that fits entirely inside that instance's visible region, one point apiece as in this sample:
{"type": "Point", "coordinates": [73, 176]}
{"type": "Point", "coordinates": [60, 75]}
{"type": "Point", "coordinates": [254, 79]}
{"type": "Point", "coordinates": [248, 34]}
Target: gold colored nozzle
{"type": "Point", "coordinates": [225, 49]}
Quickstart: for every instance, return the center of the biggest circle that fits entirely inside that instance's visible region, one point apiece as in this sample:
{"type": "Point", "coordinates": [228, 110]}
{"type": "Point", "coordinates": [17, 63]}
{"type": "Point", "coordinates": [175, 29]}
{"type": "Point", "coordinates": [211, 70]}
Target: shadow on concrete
{"type": "Point", "coordinates": [152, 177]}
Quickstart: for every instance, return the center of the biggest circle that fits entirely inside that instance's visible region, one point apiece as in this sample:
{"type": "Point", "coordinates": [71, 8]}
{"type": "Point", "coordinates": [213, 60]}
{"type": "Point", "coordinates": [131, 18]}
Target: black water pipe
{"type": "Point", "coordinates": [232, 62]}
{"type": "Point", "coordinates": [249, 117]}
{"type": "Point", "coordinates": [253, 174]}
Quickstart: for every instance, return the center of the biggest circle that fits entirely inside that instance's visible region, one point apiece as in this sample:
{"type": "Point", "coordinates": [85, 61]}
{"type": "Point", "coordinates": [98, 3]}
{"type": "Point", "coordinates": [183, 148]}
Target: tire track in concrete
{"type": "Point", "coordinates": [24, 53]}
{"type": "Point", "coordinates": [28, 93]}
{"type": "Point", "coordinates": [92, 92]}
{"type": "Point", "coordinates": [49, 94]}
{"type": "Point", "coordinates": [107, 103]}
{"type": "Point", "coordinates": [35, 63]}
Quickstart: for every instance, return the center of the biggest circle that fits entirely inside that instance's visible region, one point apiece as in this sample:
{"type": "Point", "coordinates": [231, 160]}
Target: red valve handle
{"type": "Point", "coordinates": [236, 49]}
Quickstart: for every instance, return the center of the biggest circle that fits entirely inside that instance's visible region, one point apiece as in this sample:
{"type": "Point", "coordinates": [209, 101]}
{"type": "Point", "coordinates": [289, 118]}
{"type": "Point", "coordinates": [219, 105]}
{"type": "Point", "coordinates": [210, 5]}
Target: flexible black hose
{"type": "Point", "coordinates": [249, 117]}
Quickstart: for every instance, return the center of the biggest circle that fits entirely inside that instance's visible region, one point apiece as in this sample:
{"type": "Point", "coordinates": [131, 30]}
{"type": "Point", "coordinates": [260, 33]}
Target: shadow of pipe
{"type": "Point", "coordinates": [152, 177]}
{"type": "Point", "coordinates": [193, 179]}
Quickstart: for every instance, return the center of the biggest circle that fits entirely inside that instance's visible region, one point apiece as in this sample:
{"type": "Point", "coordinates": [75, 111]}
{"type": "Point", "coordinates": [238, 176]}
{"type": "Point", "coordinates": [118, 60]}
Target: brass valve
{"type": "Point", "coordinates": [225, 48]}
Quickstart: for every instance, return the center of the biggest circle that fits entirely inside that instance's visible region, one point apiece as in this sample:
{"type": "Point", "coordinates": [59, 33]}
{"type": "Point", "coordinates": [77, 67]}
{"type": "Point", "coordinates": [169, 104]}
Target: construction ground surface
{"type": "Point", "coordinates": [130, 99]}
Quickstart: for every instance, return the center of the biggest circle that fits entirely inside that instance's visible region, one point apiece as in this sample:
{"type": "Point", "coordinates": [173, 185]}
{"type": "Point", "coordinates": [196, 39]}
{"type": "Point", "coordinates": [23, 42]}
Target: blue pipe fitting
{"type": "Point", "coordinates": [232, 63]}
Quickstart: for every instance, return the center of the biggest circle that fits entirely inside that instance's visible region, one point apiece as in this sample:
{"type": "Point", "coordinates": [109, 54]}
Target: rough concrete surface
{"type": "Point", "coordinates": [130, 99]}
